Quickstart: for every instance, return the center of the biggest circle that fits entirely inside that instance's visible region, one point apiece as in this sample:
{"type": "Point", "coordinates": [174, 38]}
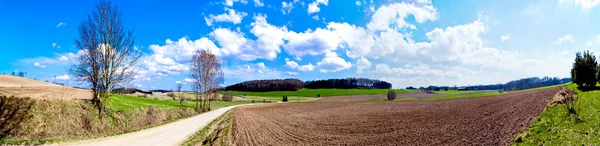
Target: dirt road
{"type": "Point", "coordinates": [493, 120]}
{"type": "Point", "coordinates": [170, 134]}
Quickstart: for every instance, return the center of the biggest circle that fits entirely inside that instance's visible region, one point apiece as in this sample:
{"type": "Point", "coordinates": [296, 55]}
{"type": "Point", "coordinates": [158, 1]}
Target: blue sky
{"type": "Point", "coordinates": [407, 43]}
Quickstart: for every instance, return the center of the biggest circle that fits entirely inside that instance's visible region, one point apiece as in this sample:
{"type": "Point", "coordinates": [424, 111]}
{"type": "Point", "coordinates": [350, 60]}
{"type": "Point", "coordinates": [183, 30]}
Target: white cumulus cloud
{"type": "Point", "coordinates": [294, 65]}
{"type": "Point", "coordinates": [361, 64]}
{"type": "Point", "coordinates": [565, 39]}
{"type": "Point", "coordinates": [229, 16]}
{"type": "Point", "coordinates": [505, 37]}
{"type": "Point", "coordinates": [37, 64]}
{"type": "Point", "coordinates": [231, 2]}
{"type": "Point", "coordinates": [314, 6]}
{"type": "Point", "coordinates": [63, 77]}
{"type": "Point", "coordinates": [333, 63]}
{"type": "Point", "coordinates": [585, 4]}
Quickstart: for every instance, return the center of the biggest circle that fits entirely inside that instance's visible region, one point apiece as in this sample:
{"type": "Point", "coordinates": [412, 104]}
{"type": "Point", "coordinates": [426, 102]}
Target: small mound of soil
{"type": "Point", "coordinates": [563, 96]}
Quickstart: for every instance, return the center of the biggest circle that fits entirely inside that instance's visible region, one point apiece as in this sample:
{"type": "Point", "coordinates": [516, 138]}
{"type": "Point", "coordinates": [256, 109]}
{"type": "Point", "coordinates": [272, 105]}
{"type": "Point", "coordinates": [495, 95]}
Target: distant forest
{"type": "Point", "coordinates": [267, 85]}
{"type": "Point", "coordinates": [520, 84]}
{"type": "Point", "coordinates": [295, 84]}
{"type": "Point", "coordinates": [348, 83]}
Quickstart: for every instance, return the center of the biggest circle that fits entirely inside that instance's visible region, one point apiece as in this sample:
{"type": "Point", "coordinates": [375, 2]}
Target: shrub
{"type": "Point", "coordinates": [391, 95]}
{"type": "Point", "coordinates": [172, 95]}
{"type": "Point", "coordinates": [213, 97]}
{"type": "Point", "coordinates": [285, 99]}
{"type": "Point", "coordinates": [227, 97]}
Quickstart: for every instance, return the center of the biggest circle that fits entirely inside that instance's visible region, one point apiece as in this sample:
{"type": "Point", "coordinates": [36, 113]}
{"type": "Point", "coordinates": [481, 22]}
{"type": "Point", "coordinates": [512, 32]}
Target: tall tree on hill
{"type": "Point", "coordinates": [585, 69]}
{"type": "Point", "coordinates": [206, 71]}
{"type": "Point", "coordinates": [108, 56]}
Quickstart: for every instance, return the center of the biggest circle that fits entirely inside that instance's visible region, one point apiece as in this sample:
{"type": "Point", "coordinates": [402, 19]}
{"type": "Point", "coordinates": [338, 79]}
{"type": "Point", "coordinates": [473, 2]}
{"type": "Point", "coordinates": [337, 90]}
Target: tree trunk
{"type": "Point", "coordinates": [197, 101]}
{"type": "Point", "coordinates": [209, 98]}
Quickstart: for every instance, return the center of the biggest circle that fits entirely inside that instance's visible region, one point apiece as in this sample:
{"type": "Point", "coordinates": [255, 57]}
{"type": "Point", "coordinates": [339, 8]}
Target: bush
{"type": "Point", "coordinates": [285, 99]}
{"type": "Point", "coordinates": [391, 95]}
{"type": "Point", "coordinates": [213, 97]}
{"type": "Point", "coordinates": [172, 95]}
{"type": "Point", "coordinates": [585, 69]}
{"type": "Point", "coordinates": [227, 97]}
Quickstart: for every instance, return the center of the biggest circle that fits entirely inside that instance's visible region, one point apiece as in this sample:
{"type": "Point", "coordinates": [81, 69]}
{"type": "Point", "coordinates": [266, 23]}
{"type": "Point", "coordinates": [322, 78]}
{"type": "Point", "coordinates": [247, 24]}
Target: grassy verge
{"type": "Point", "coordinates": [217, 132]}
{"type": "Point", "coordinates": [314, 92]}
{"type": "Point", "coordinates": [48, 121]}
{"type": "Point", "coordinates": [555, 126]}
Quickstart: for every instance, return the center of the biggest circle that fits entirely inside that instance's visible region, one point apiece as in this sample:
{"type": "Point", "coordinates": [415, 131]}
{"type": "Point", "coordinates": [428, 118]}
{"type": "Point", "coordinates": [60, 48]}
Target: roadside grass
{"type": "Point", "coordinates": [217, 132]}
{"type": "Point", "coordinates": [51, 121]}
{"type": "Point", "coordinates": [555, 126]}
{"type": "Point", "coordinates": [314, 92]}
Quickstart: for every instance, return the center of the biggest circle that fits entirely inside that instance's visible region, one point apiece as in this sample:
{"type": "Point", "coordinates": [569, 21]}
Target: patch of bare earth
{"type": "Point", "coordinates": [493, 120]}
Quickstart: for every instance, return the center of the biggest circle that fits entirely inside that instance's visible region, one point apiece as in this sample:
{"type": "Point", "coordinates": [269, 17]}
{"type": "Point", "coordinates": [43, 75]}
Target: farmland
{"type": "Point", "coordinates": [315, 92]}
{"type": "Point", "coordinates": [492, 120]}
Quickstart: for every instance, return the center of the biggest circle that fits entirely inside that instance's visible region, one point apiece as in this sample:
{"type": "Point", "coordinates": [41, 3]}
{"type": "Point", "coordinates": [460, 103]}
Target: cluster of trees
{"type": "Point", "coordinates": [205, 70]}
{"type": "Point", "coordinates": [348, 83]}
{"type": "Point", "coordinates": [520, 84]}
{"type": "Point", "coordinates": [534, 82]}
{"type": "Point", "coordinates": [585, 69]}
{"type": "Point", "coordinates": [17, 73]}
{"type": "Point", "coordinates": [123, 90]}
{"type": "Point", "coordinates": [267, 85]}
{"type": "Point", "coordinates": [295, 84]}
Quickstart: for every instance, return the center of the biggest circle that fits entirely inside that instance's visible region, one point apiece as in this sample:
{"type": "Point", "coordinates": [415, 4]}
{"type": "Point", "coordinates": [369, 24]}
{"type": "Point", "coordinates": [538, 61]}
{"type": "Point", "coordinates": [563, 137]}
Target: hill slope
{"type": "Point", "coordinates": [24, 87]}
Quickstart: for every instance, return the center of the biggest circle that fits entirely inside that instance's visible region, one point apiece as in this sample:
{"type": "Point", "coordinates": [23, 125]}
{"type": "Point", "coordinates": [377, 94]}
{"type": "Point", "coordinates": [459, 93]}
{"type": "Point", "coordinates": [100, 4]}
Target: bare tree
{"type": "Point", "coordinates": [181, 97]}
{"type": "Point", "coordinates": [206, 71]}
{"type": "Point", "coordinates": [108, 53]}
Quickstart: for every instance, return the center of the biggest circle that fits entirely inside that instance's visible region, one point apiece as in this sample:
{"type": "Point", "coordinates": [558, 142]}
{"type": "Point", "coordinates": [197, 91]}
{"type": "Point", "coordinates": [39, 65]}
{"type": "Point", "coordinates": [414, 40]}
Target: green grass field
{"type": "Point", "coordinates": [450, 94]}
{"type": "Point", "coordinates": [556, 127]}
{"type": "Point", "coordinates": [454, 92]}
{"type": "Point", "coordinates": [314, 92]}
{"type": "Point", "coordinates": [124, 102]}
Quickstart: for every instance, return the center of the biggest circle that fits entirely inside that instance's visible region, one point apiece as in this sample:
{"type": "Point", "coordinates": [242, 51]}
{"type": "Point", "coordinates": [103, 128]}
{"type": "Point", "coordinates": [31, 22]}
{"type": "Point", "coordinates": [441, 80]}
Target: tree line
{"type": "Point", "coordinates": [267, 85]}
{"type": "Point", "coordinates": [348, 83]}
{"type": "Point", "coordinates": [295, 84]}
{"type": "Point", "coordinates": [520, 84]}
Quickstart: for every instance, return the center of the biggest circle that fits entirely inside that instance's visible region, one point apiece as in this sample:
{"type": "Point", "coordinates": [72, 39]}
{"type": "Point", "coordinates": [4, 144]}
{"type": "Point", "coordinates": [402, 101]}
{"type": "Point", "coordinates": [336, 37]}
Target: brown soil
{"type": "Point", "coordinates": [348, 98]}
{"type": "Point", "coordinates": [493, 120]}
{"type": "Point", "coordinates": [417, 94]}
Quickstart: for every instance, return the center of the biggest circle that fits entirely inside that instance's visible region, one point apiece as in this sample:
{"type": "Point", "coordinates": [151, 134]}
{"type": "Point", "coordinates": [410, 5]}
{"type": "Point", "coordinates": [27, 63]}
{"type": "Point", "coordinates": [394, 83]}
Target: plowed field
{"type": "Point", "coordinates": [493, 120]}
